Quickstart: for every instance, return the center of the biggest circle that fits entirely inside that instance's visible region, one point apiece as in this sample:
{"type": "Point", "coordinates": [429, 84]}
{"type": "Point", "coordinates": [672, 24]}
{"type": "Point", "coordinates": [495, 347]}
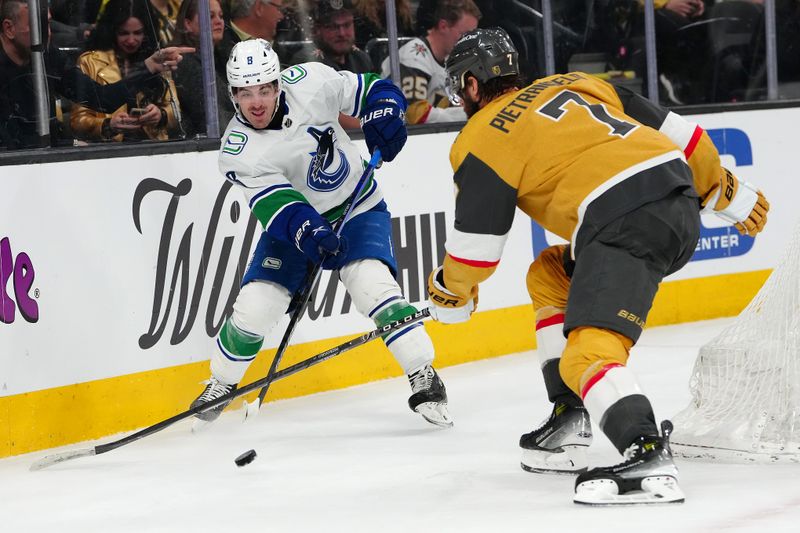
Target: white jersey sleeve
{"type": "Point", "coordinates": [343, 90]}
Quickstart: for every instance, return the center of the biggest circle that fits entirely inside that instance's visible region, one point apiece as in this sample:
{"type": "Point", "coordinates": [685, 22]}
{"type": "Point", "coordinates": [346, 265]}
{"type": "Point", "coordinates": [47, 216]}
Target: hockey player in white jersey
{"type": "Point", "coordinates": [297, 168]}
{"type": "Point", "coordinates": [422, 74]}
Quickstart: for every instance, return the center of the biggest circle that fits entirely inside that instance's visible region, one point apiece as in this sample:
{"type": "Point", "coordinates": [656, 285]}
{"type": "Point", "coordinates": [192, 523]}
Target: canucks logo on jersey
{"type": "Point", "coordinates": [324, 174]}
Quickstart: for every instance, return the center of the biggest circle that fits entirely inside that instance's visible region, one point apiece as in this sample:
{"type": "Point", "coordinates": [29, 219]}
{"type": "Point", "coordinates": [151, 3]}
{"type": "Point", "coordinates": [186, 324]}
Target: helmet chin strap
{"type": "Point", "coordinates": [275, 107]}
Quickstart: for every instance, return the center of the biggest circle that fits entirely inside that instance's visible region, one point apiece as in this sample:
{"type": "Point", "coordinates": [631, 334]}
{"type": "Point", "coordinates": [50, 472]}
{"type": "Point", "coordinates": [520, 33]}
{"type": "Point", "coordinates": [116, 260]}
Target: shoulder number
{"type": "Point", "coordinates": [234, 142]}
{"type": "Point", "coordinates": [415, 87]}
{"type": "Point", "coordinates": [554, 109]}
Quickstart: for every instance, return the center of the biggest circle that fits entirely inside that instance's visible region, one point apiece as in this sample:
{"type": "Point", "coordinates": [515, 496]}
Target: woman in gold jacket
{"type": "Point", "coordinates": [123, 38]}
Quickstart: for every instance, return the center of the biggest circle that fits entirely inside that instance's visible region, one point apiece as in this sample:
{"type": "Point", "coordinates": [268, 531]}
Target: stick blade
{"type": "Point", "coordinates": [251, 410]}
{"type": "Point", "coordinates": [50, 460]}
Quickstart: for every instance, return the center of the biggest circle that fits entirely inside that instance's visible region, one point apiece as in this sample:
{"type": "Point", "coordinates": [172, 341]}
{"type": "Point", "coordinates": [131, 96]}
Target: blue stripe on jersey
{"type": "Point", "coordinates": [231, 356]}
{"type": "Point", "coordinates": [391, 338]}
{"type": "Point", "coordinates": [382, 304]}
{"type": "Point", "coordinates": [357, 105]}
{"type": "Point", "coordinates": [268, 190]}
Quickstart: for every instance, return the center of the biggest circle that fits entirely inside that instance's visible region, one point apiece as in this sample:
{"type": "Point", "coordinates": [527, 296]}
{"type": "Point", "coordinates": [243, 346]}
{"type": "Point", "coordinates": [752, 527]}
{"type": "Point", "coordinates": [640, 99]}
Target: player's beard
{"type": "Point", "coordinates": [470, 106]}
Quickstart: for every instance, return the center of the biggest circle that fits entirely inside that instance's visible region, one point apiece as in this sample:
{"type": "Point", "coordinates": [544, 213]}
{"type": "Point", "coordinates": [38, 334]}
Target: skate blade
{"type": "Point", "coordinates": [569, 460]}
{"type": "Point", "coordinates": [655, 490]}
{"type": "Point", "coordinates": [435, 413]}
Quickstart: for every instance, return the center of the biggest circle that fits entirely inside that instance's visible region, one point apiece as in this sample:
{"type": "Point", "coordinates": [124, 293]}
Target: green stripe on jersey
{"type": "Point", "coordinates": [369, 79]}
{"type": "Point", "coordinates": [239, 343]}
{"type": "Point", "coordinates": [396, 311]}
{"type": "Point", "coordinates": [268, 205]}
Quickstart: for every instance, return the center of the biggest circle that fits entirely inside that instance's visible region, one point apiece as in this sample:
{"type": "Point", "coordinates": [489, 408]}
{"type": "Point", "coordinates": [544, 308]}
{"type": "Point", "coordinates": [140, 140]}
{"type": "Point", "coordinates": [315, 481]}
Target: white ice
{"type": "Point", "coordinates": [359, 460]}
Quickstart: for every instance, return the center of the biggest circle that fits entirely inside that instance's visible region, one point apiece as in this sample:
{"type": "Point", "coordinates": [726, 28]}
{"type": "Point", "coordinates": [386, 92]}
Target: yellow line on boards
{"type": "Point", "coordinates": [84, 411]}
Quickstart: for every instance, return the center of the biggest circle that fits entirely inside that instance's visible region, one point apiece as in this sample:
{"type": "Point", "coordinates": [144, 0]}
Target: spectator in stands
{"type": "Point", "coordinates": [738, 62]}
{"type": "Point", "coordinates": [370, 20]}
{"type": "Point", "coordinates": [189, 75]}
{"type": "Point", "coordinates": [681, 47]}
{"type": "Point", "coordinates": [251, 19]}
{"type": "Point", "coordinates": [787, 15]}
{"type": "Point", "coordinates": [164, 14]}
{"type": "Point", "coordinates": [334, 39]}
{"type": "Point", "coordinates": [72, 22]}
{"type": "Point", "coordinates": [295, 26]}
{"type": "Point", "coordinates": [422, 74]}
{"type": "Point", "coordinates": [18, 97]}
{"type": "Point", "coordinates": [122, 39]}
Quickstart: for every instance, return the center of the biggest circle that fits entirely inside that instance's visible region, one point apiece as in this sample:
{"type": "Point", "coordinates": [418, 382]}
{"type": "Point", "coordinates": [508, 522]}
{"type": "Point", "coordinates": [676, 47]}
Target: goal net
{"type": "Point", "coordinates": [746, 382]}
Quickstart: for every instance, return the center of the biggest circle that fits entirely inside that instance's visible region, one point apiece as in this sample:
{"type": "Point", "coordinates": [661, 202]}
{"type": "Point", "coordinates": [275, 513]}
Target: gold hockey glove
{"type": "Point", "coordinates": [741, 204]}
{"type": "Point", "coordinates": [447, 307]}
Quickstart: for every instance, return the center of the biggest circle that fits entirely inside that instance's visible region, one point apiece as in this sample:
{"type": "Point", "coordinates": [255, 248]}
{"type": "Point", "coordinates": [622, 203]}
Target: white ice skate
{"type": "Point", "coordinates": [559, 445]}
{"type": "Point", "coordinates": [647, 476]}
{"type": "Point", "coordinates": [429, 397]}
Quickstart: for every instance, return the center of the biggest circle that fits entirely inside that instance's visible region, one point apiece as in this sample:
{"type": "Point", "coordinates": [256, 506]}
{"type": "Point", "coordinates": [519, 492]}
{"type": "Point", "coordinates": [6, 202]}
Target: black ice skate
{"type": "Point", "coordinates": [648, 475]}
{"type": "Point", "coordinates": [559, 445]}
{"type": "Point", "coordinates": [429, 397]}
{"type": "Point", "coordinates": [214, 389]}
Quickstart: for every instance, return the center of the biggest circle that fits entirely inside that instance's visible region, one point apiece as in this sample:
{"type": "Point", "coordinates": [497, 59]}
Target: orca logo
{"type": "Point", "coordinates": [324, 174]}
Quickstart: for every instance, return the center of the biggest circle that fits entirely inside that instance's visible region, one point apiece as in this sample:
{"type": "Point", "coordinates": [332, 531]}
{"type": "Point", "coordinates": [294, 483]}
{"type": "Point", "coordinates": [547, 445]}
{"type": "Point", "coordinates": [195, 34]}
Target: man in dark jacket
{"type": "Point", "coordinates": [334, 39]}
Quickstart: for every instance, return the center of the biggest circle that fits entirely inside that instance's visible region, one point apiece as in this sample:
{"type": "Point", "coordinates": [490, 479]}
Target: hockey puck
{"type": "Point", "coordinates": [246, 458]}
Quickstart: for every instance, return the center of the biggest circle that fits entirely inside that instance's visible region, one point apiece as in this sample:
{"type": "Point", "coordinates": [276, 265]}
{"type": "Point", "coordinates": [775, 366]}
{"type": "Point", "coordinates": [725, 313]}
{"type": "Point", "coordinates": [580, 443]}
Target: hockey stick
{"type": "Point", "coordinates": [300, 301]}
{"type": "Point", "coordinates": [355, 342]}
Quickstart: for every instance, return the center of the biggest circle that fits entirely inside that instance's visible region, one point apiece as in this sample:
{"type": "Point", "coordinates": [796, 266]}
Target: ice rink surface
{"type": "Point", "coordinates": [359, 460]}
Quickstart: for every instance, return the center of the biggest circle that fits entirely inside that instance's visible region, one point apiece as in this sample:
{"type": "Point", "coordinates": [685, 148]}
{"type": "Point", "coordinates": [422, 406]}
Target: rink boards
{"type": "Point", "coordinates": [116, 275]}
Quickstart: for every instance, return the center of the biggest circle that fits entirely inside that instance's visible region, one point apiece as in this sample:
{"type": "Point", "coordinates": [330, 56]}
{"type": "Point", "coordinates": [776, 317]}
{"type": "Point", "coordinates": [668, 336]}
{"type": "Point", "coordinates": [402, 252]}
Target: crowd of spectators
{"type": "Point", "coordinates": [64, 82]}
{"type": "Point", "coordinates": [121, 40]}
{"type": "Point", "coordinates": [708, 51]}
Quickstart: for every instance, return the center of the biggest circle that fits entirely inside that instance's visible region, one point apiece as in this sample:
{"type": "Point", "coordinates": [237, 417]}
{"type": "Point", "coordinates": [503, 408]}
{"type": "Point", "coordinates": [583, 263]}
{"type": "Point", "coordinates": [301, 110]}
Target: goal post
{"type": "Point", "coordinates": [745, 384]}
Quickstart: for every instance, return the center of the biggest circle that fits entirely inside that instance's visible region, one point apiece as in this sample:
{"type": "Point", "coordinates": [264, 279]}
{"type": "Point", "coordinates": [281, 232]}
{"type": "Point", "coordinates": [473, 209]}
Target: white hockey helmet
{"type": "Point", "coordinates": [251, 63]}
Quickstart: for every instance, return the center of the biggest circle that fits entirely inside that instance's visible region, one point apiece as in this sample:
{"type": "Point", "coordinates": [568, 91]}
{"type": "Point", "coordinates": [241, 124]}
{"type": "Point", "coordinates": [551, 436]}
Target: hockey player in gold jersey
{"type": "Point", "coordinates": [624, 182]}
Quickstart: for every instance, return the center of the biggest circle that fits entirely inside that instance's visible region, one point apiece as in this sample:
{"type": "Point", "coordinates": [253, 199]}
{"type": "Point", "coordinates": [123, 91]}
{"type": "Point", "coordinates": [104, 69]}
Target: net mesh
{"type": "Point", "coordinates": [746, 382]}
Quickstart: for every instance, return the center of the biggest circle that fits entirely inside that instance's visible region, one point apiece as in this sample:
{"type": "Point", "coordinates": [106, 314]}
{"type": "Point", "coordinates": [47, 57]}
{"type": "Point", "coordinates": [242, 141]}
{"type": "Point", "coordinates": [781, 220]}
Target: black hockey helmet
{"type": "Point", "coordinates": [486, 53]}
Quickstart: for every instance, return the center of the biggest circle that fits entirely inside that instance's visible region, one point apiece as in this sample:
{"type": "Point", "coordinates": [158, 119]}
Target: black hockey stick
{"type": "Point", "coordinates": [355, 342]}
{"type": "Point", "coordinates": [300, 300]}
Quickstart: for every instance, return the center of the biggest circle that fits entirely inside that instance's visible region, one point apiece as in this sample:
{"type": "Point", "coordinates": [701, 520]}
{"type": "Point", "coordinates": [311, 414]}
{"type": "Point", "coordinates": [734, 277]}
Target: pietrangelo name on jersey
{"type": "Point", "coordinates": [509, 114]}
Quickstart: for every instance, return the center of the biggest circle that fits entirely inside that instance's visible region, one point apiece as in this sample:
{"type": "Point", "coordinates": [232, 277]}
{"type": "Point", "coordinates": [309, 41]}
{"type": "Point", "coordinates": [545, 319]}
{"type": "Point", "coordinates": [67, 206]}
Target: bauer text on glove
{"type": "Point", "coordinates": [447, 307]}
{"type": "Point", "coordinates": [741, 204]}
{"type": "Point", "coordinates": [383, 120]}
{"type": "Point", "coordinates": [313, 234]}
